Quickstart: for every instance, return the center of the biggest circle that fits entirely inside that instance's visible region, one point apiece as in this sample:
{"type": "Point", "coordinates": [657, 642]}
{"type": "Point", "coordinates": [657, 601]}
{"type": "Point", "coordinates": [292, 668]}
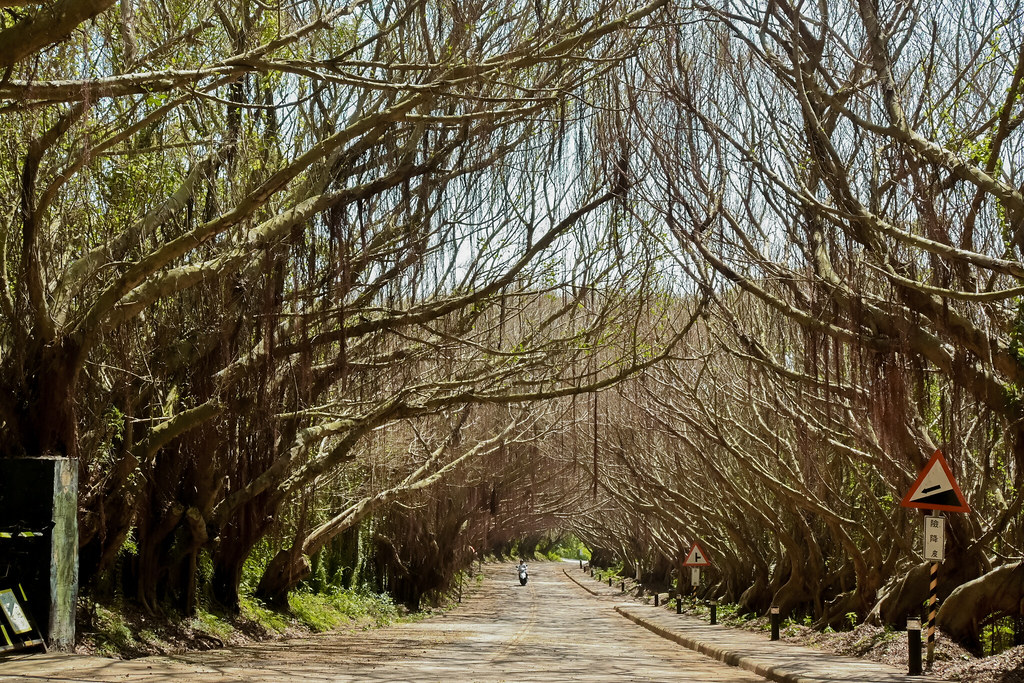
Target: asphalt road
{"type": "Point", "coordinates": [549, 630]}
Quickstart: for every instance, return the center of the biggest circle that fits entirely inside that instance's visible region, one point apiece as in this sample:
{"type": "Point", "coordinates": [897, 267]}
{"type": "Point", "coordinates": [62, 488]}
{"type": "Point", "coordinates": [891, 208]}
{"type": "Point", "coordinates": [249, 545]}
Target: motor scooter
{"type": "Point", "coordinates": [523, 574]}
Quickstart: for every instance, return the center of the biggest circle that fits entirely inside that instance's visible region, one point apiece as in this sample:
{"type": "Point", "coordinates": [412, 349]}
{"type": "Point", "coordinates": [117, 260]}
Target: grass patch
{"type": "Point", "coordinates": [210, 624]}
{"type": "Point", "coordinates": [605, 573]}
{"type": "Point", "coordinates": [342, 607]}
{"type": "Point", "coordinates": [120, 629]}
{"type": "Point", "coordinates": [256, 611]}
{"type": "Point", "coordinates": [112, 634]}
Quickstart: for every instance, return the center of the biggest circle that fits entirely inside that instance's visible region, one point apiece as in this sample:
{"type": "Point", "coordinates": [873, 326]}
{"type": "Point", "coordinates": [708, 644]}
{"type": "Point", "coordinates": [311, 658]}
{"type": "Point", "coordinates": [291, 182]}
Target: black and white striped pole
{"type": "Point", "coordinates": [933, 600]}
{"type": "Point", "coordinates": [935, 489]}
{"type": "Point", "coordinates": [934, 550]}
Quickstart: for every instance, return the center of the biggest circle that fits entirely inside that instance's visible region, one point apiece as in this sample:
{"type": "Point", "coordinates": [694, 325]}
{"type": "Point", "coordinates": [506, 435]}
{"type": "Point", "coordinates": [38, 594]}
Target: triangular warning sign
{"type": "Point", "coordinates": [696, 557]}
{"type": "Point", "coordinates": [936, 489]}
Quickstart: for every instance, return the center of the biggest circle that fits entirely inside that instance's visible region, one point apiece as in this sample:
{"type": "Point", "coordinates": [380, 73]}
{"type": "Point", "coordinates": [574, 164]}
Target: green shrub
{"type": "Point", "coordinates": [252, 569]}
{"type": "Point", "coordinates": [113, 636]}
{"type": "Point", "coordinates": [570, 548]}
{"type": "Point", "coordinates": [339, 607]}
{"type": "Point", "coordinates": [253, 609]}
{"type": "Point", "coordinates": [211, 624]}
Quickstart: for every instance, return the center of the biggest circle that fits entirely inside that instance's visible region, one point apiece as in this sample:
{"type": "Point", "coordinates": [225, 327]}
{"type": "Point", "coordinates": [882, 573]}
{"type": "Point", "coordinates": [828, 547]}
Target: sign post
{"type": "Point", "coordinates": [935, 489]}
{"type": "Point", "coordinates": [695, 559]}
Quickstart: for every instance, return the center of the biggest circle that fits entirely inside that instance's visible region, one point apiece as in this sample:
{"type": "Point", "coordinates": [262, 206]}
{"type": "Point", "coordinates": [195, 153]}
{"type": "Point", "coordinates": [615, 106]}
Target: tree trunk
{"type": "Point", "coordinates": [756, 598]}
{"type": "Point", "coordinates": [1000, 592]}
{"type": "Point", "coordinates": [46, 416]}
{"type": "Point", "coordinates": [282, 573]}
{"type": "Point", "coordinates": [903, 600]}
{"type": "Point", "coordinates": [150, 569]}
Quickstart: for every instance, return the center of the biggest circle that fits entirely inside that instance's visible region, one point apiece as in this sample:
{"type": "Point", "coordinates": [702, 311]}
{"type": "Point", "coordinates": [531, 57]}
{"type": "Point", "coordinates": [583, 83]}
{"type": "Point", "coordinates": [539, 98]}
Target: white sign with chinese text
{"type": "Point", "coordinates": [934, 538]}
{"type": "Point", "coordinates": [12, 610]}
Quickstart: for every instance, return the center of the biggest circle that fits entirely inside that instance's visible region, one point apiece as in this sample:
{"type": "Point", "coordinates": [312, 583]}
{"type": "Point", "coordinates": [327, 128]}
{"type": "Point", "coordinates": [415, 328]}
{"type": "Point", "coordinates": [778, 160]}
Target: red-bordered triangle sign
{"type": "Point", "coordinates": [696, 557]}
{"type": "Point", "coordinates": [936, 489]}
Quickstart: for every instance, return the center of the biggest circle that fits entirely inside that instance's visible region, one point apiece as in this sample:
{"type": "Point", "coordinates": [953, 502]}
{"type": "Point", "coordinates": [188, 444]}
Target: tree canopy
{"type": "Point", "coordinates": [447, 275]}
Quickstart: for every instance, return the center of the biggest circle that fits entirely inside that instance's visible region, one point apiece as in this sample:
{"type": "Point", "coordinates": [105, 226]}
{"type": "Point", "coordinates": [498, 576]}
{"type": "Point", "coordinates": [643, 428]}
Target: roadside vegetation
{"type": "Point", "coordinates": [118, 628]}
{"type": "Point", "coordinates": [566, 547]}
{"type": "Point", "coordinates": [121, 630]}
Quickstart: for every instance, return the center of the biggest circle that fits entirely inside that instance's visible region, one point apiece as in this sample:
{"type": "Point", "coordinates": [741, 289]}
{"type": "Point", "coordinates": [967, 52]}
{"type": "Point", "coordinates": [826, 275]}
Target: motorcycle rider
{"type": "Point", "coordinates": [522, 570]}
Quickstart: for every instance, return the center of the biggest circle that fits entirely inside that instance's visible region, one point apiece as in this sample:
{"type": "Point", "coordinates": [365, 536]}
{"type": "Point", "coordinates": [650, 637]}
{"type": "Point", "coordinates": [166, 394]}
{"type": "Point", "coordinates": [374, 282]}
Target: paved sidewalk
{"type": "Point", "coordinates": [776, 661]}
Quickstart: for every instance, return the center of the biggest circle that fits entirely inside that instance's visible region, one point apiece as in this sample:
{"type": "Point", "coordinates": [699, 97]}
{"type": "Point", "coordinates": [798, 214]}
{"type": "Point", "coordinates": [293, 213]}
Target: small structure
{"type": "Point", "coordinates": [39, 549]}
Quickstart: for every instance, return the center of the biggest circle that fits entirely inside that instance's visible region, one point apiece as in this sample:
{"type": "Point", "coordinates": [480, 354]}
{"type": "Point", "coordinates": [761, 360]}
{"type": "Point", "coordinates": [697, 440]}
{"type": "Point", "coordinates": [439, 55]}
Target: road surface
{"type": "Point", "coordinates": [549, 630]}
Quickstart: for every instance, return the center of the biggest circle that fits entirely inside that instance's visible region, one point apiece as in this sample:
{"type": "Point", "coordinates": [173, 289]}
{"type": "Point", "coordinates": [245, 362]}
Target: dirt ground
{"type": "Point", "coordinates": [548, 630]}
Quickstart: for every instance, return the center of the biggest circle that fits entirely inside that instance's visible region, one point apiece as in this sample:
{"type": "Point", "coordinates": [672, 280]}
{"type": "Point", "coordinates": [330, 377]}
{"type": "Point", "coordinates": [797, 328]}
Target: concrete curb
{"type": "Point", "coordinates": [721, 654]}
{"type": "Point", "coordinates": [573, 579]}
{"type": "Point", "coordinates": [780, 672]}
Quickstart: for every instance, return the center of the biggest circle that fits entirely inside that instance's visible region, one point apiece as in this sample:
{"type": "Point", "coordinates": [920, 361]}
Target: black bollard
{"type": "Point", "coordinates": [623, 585]}
{"type": "Point", "coordinates": [714, 612]}
{"type": "Point", "coordinates": [655, 599]}
{"type": "Point", "coordinates": [679, 602]}
{"type": "Point", "coordinates": [914, 646]}
{"type": "Point", "coordinates": [775, 623]}
{"type": "Point", "coordinates": [609, 582]}
{"type": "Point", "coordinates": [581, 563]}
